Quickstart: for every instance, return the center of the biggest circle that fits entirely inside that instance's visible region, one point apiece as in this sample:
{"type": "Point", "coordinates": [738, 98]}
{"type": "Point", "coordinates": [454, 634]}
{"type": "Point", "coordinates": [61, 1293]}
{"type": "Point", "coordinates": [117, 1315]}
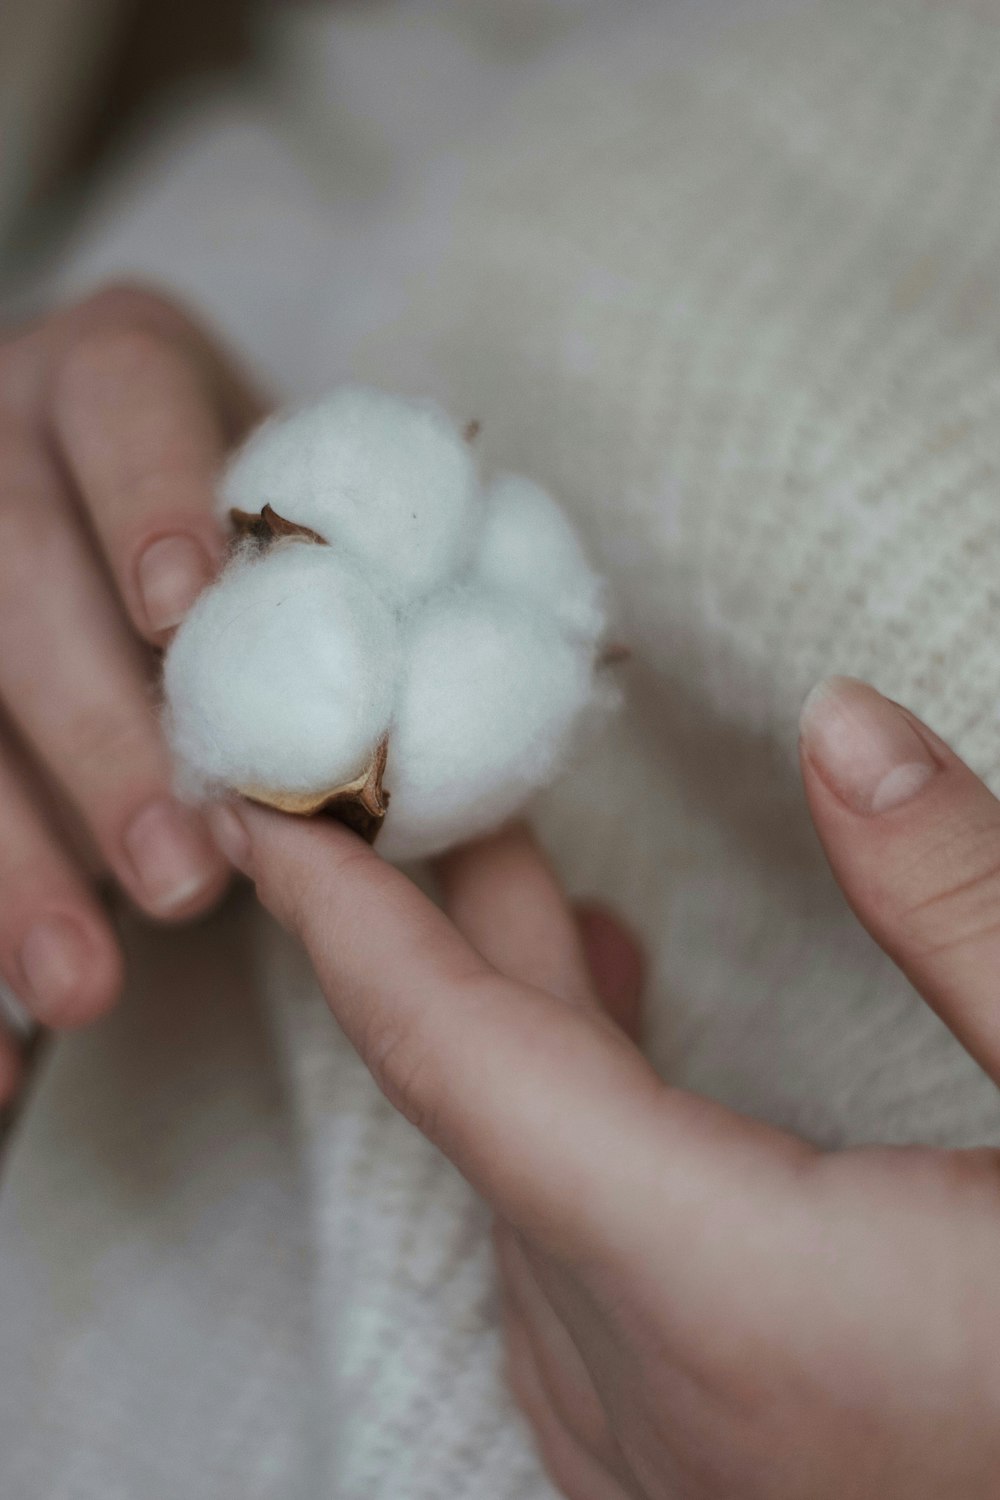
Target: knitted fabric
{"type": "Point", "coordinates": [739, 307]}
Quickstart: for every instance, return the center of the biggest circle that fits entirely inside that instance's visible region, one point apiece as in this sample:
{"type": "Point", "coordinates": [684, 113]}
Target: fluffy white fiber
{"type": "Point", "coordinates": [463, 625]}
{"type": "Point", "coordinates": [528, 546]}
{"type": "Point", "coordinates": [390, 481]}
{"type": "Point", "coordinates": [284, 673]}
{"type": "Point", "coordinates": [490, 692]}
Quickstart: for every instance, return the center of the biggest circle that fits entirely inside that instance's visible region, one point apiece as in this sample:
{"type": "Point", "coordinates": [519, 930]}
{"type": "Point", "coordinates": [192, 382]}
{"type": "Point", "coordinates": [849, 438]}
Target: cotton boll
{"type": "Point", "coordinates": [390, 481]}
{"type": "Point", "coordinates": [282, 676]}
{"type": "Point", "coordinates": [528, 546]}
{"type": "Point", "coordinates": [462, 632]}
{"type": "Point", "coordinates": [490, 693]}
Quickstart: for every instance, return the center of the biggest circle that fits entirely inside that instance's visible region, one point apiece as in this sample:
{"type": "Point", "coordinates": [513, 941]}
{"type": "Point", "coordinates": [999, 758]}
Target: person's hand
{"type": "Point", "coordinates": [698, 1305]}
{"type": "Point", "coordinates": [114, 417]}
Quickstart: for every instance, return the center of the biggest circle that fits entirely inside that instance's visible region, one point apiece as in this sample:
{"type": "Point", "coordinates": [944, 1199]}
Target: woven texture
{"type": "Point", "coordinates": [740, 310]}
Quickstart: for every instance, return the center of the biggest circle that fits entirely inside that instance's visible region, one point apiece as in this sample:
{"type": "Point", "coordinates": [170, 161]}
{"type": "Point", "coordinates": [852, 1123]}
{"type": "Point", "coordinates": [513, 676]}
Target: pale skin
{"type": "Point", "coordinates": [115, 416]}
{"type": "Point", "coordinates": [696, 1304]}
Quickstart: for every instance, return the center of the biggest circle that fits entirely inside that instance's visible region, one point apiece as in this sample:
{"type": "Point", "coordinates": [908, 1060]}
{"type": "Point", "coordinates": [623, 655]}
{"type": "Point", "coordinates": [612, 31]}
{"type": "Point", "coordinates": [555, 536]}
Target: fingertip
{"type": "Point", "coordinates": [71, 970]}
{"type": "Point", "coordinates": [204, 897]}
{"type": "Point", "coordinates": [912, 836]}
{"type": "Point", "coordinates": [173, 867]}
{"type": "Point", "coordinates": [170, 572]}
{"type": "Point", "coordinates": [99, 991]}
{"type": "Point", "coordinates": [863, 747]}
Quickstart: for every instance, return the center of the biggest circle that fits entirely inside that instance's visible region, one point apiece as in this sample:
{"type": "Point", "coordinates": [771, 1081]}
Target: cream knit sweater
{"type": "Point", "coordinates": [733, 293]}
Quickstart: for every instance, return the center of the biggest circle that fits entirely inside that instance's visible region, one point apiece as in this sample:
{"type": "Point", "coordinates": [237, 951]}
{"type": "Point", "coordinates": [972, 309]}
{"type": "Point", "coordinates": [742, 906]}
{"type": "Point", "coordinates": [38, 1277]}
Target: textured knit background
{"type": "Point", "coordinates": [732, 290]}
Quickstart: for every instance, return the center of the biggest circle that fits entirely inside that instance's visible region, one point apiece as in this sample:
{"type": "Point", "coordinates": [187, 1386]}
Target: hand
{"type": "Point", "coordinates": [114, 417]}
{"type": "Point", "coordinates": [697, 1304]}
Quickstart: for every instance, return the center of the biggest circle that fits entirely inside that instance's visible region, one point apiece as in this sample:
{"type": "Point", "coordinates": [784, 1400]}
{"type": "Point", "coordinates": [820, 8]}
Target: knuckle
{"type": "Point", "coordinates": [404, 1066]}
{"type": "Point", "coordinates": [964, 906]}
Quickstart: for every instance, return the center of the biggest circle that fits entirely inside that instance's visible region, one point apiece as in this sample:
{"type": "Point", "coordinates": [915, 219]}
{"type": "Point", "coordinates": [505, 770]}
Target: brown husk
{"type": "Point", "coordinates": [269, 527]}
{"type": "Point", "coordinates": [361, 804]}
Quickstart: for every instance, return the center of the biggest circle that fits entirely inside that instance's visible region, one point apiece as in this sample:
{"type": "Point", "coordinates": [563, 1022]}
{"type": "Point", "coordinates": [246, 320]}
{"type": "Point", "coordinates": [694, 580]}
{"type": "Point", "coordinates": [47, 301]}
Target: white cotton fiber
{"type": "Point", "coordinates": [464, 628]}
{"type": "Point", "coordinates": [528, 546]}
{"type": "Point", "coordinates": [390, 481]}
{"type": "Point", "coordinates": [489, 696]}
{"type": "Point", "coordinates": [283, 674]}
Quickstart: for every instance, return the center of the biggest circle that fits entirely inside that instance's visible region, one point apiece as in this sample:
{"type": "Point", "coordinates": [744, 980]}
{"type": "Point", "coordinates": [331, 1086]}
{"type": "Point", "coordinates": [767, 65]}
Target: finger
{"type": "Point", "coordinates": [574, 1471]}
{"type": "Point", "coordinates": [58, 952]}
{"type": "Point", "coordinates": [616, 964]}
{"type": "Point", "coordinates": [543, 1104]}
{"type": "Point", "coordinates": [557, 1359]}
{"type": "Point", "coordinates": [144, 403]}
{"type": "Point", "coordinates": [72, 680]}
{"type": "Point", "coordinates": [31, 355]}
{"type": "Point", "coordinates": [503, 896]}
{"type": "Point", "coordinates": [495, 1072]}
{"type": "Point", "coordinates": [913, 837]}
{"type": "Point", "coordinates": [137, 425]}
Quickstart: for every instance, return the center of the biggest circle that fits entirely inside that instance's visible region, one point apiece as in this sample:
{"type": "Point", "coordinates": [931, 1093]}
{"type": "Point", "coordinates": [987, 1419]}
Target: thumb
{"type": "Point", "coordinates": [913, 837]}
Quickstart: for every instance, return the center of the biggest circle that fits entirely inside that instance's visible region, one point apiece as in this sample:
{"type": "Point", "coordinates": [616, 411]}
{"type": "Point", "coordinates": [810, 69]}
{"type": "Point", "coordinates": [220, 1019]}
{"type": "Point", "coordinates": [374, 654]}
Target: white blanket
{"type": "Point", "coordinates": [731, 291]}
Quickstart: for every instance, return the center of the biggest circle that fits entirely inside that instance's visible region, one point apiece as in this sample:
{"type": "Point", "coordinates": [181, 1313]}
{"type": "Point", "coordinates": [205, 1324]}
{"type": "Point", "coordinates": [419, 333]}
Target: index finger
{"type": "Point", "coordinates": [136, 420]}
{"type": "Point", "coordinates": [142, 410]}
{"type": "Point", "coordinates": [526, 1093]}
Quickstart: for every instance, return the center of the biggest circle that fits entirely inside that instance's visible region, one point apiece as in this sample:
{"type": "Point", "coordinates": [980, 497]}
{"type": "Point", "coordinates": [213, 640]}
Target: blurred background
{"type": "Point", "coordinates": [75, 76]}
{"type": "Point", "coordinates": [99, 98]}
{"type": "Point", "coordinates": [286, 167]}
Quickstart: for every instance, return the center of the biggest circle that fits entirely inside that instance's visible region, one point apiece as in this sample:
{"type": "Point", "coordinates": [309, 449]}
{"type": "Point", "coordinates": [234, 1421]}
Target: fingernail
{"type": "Point", "coordinates": [53, 959]}
{"type": "Point", "coordinates": [229, 832]}
{"type": "Point", "coordinates": [863, 746]}
{"type": "Point", "coordinates": [172, 573]}
{"type": "Point", "coordinates": [171, 855]}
